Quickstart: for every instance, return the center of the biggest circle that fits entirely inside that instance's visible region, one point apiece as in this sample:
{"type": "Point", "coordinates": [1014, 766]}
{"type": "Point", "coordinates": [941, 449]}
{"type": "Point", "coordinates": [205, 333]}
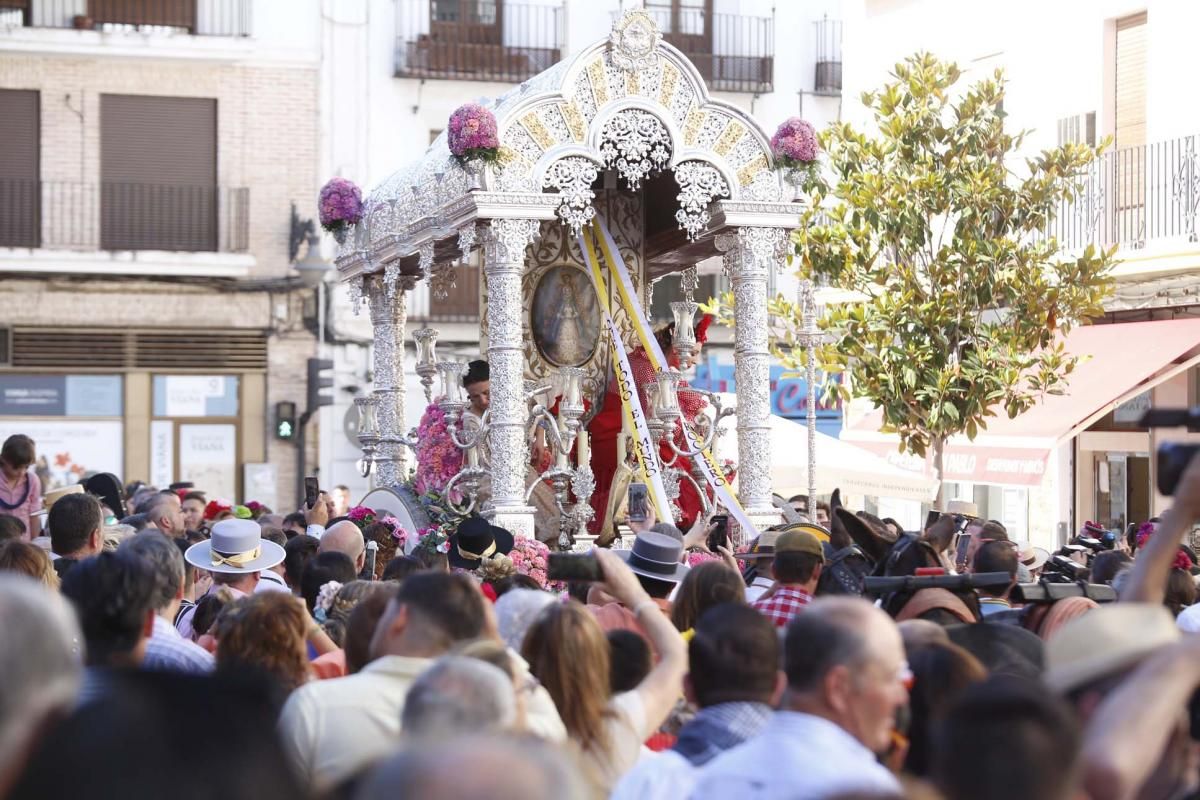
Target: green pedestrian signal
{"type": "Point", "coordinates": [285, 421]}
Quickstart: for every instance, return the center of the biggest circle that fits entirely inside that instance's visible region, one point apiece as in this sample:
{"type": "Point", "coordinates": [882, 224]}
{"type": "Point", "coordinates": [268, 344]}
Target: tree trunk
{"type": "Point", "coordinates": [939, 458]}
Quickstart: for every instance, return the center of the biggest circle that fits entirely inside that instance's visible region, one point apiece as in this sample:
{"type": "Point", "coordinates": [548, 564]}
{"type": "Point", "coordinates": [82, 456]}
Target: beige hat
{"type": "Point", "coordinates": [1030, 556]}
{"type": "Point", "coordinates": [1105, 641]}
{"type": "Point", "coordinates": [963, 508]}
{"type": "Point", "coordinates": [54, 495]}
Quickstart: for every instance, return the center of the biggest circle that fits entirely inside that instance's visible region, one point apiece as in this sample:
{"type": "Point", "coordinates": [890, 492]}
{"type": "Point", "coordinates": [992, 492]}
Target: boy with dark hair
{"type": "Point", "coordinates": [995, 556]}
{"type": "Point", "coordinates": [76, 522]}
{"type": "Point", "coordinates": [113, 595]}
{"type": "Point", "coordinates": [799, 557]}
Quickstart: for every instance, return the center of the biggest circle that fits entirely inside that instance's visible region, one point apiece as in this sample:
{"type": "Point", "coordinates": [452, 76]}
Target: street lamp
{"type": "Point", "coordinates": [810, 338]}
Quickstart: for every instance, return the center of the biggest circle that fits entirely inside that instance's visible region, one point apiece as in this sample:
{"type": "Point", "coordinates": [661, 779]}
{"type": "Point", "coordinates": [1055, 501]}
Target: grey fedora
{"type": "Point", "coordinates": [655, 555]}
{"type": "Point", "coordinates": [236, 546]}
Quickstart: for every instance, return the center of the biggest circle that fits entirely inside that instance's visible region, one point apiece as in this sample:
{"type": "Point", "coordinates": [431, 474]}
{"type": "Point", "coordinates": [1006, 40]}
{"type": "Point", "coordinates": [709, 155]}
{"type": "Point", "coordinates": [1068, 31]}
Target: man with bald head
{"type": "Point", "coordinates": [345, 537]}
{"type": "Point", "coordinates": [846, 679]}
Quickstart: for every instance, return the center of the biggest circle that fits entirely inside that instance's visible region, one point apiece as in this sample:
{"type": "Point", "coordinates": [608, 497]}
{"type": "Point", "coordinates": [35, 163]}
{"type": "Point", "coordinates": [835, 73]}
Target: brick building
{"type": "Point", "coordinates": [150, 157]}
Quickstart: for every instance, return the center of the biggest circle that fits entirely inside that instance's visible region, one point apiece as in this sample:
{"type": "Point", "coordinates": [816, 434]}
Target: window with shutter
{"type": "Point", "coordinates": [158, 173]}
{"type": "Point", "coordinates": [20, 190]}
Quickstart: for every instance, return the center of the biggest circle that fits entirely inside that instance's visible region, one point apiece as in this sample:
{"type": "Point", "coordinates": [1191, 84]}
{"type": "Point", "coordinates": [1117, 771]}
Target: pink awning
{"type": "Point", "coordinates": [1118, 362]}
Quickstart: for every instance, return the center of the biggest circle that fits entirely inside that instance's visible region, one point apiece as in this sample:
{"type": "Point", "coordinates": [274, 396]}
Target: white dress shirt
{"type": "Point", "coordinates": [271, 581]}
{"type": "Point", "coordinates": [796, 756]}
{"type": "Point", "coordinates": [333, 729]}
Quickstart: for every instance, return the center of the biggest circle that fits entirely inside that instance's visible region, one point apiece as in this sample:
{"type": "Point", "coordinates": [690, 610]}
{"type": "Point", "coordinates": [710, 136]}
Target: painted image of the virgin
{"type": "Point", "coordinates": [564, 319]}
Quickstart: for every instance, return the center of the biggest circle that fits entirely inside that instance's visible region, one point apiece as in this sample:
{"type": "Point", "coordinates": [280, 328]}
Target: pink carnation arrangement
{"type": "Point", "coordinates": [438, 458]}
{"type": "Point", "coordinates": [471, 134]}
{"type": "Point", "coordinates": [530, 557]}
{"type": "Point", "coordinates": [341, 205]}
{"type": "Point", "coordinates": [697, 557]}
{"type": "Point", "coordinates": [795, 143]}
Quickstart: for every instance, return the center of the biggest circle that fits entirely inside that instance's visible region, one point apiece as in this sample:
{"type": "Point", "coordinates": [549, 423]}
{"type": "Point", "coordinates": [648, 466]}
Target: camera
{"type": "Point", "coordinates": [1173, 457]}
{"type": "Point", "coordinates": [1061, 569]}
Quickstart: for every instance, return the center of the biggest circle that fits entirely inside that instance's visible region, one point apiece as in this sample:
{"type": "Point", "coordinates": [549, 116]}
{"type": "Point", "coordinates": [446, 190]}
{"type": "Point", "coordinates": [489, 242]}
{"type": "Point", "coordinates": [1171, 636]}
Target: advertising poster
{"type": "Point", "coordinates": [208, 458]}
{"type": "Point", "coordinates": [69, 450]}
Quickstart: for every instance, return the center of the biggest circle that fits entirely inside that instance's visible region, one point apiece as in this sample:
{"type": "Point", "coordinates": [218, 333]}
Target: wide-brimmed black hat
{"type": "Point", "coordinates": [655, 555]}
{"type": "Point", "coordinates": [476, 540]}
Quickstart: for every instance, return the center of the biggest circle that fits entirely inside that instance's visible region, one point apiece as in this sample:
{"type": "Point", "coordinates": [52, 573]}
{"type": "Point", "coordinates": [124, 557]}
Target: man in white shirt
{"type": "Point", "coordinates": [846, 678]}
{"type": "Point", "coordinates": [734, 678]}
{"type": "Point", "coordinates": [333, 729]}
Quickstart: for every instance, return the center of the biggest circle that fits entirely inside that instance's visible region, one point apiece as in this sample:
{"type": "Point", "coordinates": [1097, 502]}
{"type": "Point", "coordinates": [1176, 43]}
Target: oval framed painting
{"type": "Point", "coordinates": [564, 318]}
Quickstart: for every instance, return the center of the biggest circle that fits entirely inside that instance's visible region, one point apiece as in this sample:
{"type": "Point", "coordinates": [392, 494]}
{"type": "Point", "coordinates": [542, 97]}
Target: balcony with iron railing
{"type": "Point", "coordinates": [1135, 196]}
{"type": "Point", "coordinates": [64, 215]}
{"type": "Point", "coordinates": [733, 52]}
{"type": "Point", "coordinates": [488, 40]}
{"type": "Point", "coordinates": [828, 79]}
{"type": "Point", "coordinates": [192, 17]}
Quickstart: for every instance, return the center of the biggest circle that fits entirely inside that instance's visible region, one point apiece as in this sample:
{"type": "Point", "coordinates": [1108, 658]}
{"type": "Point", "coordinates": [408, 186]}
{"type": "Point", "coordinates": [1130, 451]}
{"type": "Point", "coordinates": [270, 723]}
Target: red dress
{"type": "Point", "coordinates": [606, 427]}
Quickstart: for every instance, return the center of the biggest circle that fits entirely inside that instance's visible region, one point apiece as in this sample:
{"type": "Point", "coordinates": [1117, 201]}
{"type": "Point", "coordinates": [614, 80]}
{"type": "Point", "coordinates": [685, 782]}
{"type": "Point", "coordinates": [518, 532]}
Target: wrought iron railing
{"type": "Point", "coordinates": [733, 52]}
{"type": "Point", "coordinates": [196, 17]}
{"type": "Point", "coordinates": [488, 40]}
{"type": "Point", "coordinates": [828, 79]}
{"type": "Point", "coordinates": [1134, 195]}
{"type": "Point", "coordinates": [123, 216]}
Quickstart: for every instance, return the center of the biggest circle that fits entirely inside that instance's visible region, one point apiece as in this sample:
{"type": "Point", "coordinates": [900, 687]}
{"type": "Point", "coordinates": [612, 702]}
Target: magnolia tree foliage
{"type": "Point", "coordinates": [938, 231]}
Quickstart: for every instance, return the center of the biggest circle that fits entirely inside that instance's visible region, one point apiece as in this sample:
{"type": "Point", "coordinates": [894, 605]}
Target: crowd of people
{"type": "Point", "coordinates": [162, 643]}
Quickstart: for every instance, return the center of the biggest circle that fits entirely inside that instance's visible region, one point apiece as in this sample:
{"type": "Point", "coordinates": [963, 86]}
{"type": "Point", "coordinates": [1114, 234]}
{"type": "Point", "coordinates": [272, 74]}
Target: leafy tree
{"type": "Point", "coordinates": [962, 298]}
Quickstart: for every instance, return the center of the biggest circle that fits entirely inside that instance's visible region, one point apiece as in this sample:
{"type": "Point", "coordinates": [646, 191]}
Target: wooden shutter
{"type": "Point", "coordinates": [1131, 82]}
{"type": "Point", "coordinates": [168, 13]}
{"type": "Point", "coordinates": [158, 173]}
{"type": "Point", "coordinates": [1129, 161]}
{"type": "Point", "coordinates": [20, 192]}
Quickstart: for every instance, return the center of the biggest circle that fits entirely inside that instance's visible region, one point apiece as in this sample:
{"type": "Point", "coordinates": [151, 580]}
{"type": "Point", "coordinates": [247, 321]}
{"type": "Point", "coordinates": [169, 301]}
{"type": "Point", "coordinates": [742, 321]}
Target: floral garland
{"type": "Point", "coordinates": [471, 134]}
{"type": "Point", "coordinates": [438, 458]}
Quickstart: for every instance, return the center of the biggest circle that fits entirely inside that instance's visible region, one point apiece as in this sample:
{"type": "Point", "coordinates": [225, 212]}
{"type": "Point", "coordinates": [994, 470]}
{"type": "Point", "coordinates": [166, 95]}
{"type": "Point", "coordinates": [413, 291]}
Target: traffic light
{"type": "Point", "coordinates": [317, 383]}
{"type": "Point", "coordinates": [285, 420]}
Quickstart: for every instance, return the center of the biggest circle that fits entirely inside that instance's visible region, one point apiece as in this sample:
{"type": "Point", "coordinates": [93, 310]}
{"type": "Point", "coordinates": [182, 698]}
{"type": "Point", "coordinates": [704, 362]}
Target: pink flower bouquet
{"type": "Point", "coordinates": [471, 134]}
{"type": "Point", "coordinates": [795, 143]}
{"type": "Point", "coordinates": [341, 206]}
{"type": "Point", "coordinates": [530, 558]}
{"type": "Point", "coordinates": [795, 148]}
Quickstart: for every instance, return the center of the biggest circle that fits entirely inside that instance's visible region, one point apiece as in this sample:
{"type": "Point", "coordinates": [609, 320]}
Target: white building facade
{"type": "Point", "coordinates": [152, 158]}
{"type": "Point", "coordinates": [1079, 70]}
